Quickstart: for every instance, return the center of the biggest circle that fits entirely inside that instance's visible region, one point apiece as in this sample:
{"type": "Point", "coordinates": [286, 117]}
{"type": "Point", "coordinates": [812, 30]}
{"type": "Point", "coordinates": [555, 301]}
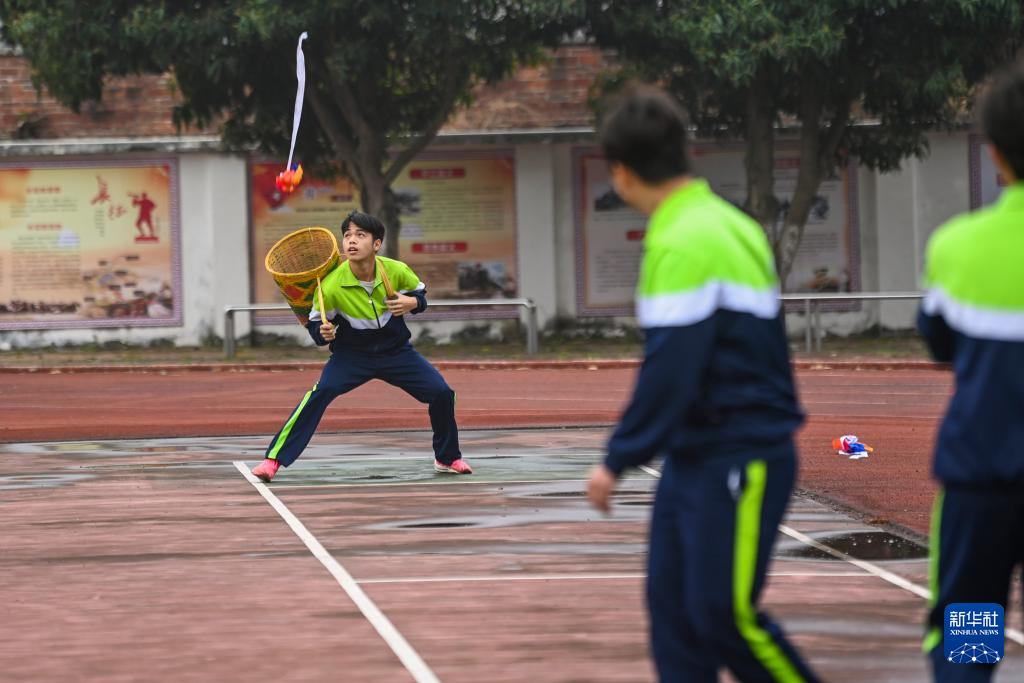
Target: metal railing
{"type": "Point", "coordinates": [812, 310]}
{"type": "Point", "coordinates": [531, 317]}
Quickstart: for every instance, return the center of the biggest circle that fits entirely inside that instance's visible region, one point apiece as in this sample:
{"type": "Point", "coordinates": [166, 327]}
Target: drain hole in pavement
{"type": "Point", "coordinates": [380, 476]}
{"type": "Point", "coordinates": [435, 525]}
{"type": "Point", "coordinates": [647, 503]}
{"type": "Point", "coordinates": [865, 545]}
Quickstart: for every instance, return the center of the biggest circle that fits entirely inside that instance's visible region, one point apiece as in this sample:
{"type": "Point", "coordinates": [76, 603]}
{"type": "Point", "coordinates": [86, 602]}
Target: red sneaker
{"type": "Point", "coordinates": [460, 466]}
{"type": "Point", "coordinates": [266, 470]}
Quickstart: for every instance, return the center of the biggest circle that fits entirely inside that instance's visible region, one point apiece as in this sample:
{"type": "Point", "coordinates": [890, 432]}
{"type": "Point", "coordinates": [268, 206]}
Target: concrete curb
{"type": "Point", "coordinates": [602, 364]}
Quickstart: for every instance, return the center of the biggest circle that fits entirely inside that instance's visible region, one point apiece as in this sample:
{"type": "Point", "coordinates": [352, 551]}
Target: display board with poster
{"type": "Point", "coordinates": [609, 241]}
{"type": "Point", "coordinates": [458, 222]}
{"type": "Point", "coordinates": [987, 182]}
{"type": "Point", "coordinates": [89, 244]}
{"type": "Point", "coordinates": [609, 235]}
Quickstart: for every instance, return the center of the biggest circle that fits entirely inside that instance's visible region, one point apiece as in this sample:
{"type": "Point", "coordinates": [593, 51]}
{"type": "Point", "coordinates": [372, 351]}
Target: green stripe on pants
{"type": "Point", "coordinates": [745, 548]}
{"type": "Point", "coordinates": [286, 430]}
{"type": "Point", "coordinates": [934, 635]}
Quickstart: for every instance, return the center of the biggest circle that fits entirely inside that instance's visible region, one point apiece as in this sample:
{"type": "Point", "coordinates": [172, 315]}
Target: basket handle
{"type": "Point", "coordinates": [387, 281]}
{"type": "Point", "coordinates": [319, 289]}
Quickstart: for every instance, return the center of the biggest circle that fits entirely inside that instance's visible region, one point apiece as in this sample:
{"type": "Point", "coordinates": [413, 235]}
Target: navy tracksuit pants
{"type": "Point", "coordinates": [345, 370]}
{"type": "Point", "coordinates": [712, 530]}
{"type": "Point", "coordinates": [977, 539]}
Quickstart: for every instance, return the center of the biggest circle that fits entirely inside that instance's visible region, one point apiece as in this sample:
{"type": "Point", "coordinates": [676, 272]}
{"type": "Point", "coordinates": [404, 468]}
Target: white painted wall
{"type": "Point", "coordinates": [565, 230]}
{"type": "Point", "coordinates": [536, 234]}
{"type": "Point", "coordinates": [215, 254]}
{"type": "Point", "coordinates": [909, 206]}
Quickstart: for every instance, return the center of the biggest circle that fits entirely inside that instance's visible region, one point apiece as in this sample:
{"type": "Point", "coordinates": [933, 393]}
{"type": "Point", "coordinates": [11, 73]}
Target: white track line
{"type": "Point", "coordinates": [651, 471]}
{"type": "Point", "coordinates": [473, 456]}
{"type": "Point", "coordinates": [413, 663]}
{"type": "Point", "coordinates": [440, 480]}
{"type": "Point", "coordinates": [895, 579]}
{"type": "Point", "coordinates": [511, 577]}
{"type": "Point", "coordinates": [572, 577]}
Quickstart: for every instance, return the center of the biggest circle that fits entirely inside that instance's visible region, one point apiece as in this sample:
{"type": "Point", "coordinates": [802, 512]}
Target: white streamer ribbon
{"type": "Point", "coordinates": [300, 74]}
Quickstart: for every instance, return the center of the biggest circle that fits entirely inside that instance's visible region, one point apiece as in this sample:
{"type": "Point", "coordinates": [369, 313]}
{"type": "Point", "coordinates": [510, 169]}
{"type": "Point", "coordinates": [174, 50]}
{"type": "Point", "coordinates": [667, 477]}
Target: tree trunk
{"type": "Point", "coordinates": [808, 180]}
{"type": "Point", "coordinates": [818, 149]}
{"type": "Point", "coordinates": [363, 147]}
{"type": "Point", "coordinates": [760, 159]}
{"type": "Point", "coordinates": [793, 224]}
{"type": "Point", "coordinates": [378, 199]}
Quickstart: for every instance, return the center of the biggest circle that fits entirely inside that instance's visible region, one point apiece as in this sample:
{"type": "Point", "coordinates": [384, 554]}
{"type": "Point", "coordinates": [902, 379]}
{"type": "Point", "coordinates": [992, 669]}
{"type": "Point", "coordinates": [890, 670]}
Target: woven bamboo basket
{"type": "Point", "coordinates": [295, 263]}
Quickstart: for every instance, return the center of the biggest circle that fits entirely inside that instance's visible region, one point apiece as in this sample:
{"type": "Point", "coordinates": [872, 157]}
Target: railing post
{"type": "Point", "coordinates": [531, 328]}
{"type": "Point", "coordinates": [229, 333]}
{"type": "Point", "coordinates": [807, 325]}
{"type": "Point", "coordinates": [817, 326]}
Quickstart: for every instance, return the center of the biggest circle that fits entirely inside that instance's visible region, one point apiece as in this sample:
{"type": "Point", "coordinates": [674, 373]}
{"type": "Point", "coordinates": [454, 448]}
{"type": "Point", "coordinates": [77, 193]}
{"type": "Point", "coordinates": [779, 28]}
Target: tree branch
{"type": "Point", "coordinates": [808, 178]}
{"type": "Point", "coordinates": [343, 146]}
{"type": "Point", "coordinates": [366, 143]}
{"type": "Point", "coordinates": [427, 135]}
{"type": "Point", "coordinates": [760, 156]}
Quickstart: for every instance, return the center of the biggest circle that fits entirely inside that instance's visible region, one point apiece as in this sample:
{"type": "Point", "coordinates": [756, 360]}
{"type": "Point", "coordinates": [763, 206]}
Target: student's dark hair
{"type": "Point", "coordinates": [644, 129]}
{"type": "Point", "coordinates": [1002, 115]}
{"type": "Point", "coordinates": [365, 221]}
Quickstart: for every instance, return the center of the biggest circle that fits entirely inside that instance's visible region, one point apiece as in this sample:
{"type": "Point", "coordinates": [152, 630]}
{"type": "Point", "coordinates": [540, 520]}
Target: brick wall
{"type": "Point", "coordinates": [134, 106]}
{"type": "Point", "coordinates": [552, 94]}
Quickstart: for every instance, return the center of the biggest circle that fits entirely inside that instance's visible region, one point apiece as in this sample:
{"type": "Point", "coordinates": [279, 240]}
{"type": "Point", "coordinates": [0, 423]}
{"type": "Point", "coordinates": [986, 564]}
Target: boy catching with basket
{"type": "Point", "coordinates": [369, 339]}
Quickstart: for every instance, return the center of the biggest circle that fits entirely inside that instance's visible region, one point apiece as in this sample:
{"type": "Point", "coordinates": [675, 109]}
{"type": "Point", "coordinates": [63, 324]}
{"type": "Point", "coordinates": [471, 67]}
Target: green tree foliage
{"type": "Point", "coordinates": [383, 76]}
{"type": "Point", "coordinates": [863, 78]}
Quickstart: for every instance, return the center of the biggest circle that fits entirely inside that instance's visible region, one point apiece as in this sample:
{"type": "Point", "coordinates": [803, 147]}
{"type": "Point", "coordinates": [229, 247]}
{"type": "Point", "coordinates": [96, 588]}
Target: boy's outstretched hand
{"type": "Point", "coordinates": [401, 304]}
{"type": "Point", "coordinates": [600, 487]}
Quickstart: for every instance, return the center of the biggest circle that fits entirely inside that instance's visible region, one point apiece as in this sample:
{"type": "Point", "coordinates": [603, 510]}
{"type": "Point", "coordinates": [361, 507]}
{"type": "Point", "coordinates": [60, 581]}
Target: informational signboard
{"type": "Point", "coordinates": [459, 225]}
{"type": "Point", "coordinates": [987, 182]}
{"type": "Point", "coordinates": [91, 244]}
{"type": "Point", "coordinates": [458, 221]}
{"type": "Point", "coordinates": [609, 241]}
{"type": "Point", "coordinates": [609, 235]}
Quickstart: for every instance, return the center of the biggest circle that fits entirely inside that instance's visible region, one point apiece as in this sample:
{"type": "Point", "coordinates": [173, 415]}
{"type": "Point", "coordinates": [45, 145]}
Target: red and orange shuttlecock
{"type": "Point", "coordinates": [288, 180]}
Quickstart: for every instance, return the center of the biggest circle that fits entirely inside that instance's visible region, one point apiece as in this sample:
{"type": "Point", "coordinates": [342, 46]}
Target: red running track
{"type": "Point", "coordinates": [896, 411]}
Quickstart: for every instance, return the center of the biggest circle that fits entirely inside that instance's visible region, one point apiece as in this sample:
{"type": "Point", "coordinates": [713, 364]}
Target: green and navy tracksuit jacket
{"type": "Point", "coordinates": [715, 394]}
{"type": "Point", "coordinates": [364, 321]}
{"type": "Point", "coordinates": [716, 374]}
{"type": "Point", "coordinates": [973, 317]}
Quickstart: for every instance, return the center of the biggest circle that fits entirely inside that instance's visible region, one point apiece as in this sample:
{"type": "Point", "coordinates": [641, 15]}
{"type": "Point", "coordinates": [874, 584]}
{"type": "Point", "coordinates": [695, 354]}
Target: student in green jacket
{"type": "Point", "coordinates": [368, 339]}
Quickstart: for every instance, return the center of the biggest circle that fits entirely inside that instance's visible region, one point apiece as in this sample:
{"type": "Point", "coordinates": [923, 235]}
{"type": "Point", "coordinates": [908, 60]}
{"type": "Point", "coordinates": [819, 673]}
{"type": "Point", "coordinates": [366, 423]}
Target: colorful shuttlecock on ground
{"type": "Point", "coordinates": [849, 444]}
